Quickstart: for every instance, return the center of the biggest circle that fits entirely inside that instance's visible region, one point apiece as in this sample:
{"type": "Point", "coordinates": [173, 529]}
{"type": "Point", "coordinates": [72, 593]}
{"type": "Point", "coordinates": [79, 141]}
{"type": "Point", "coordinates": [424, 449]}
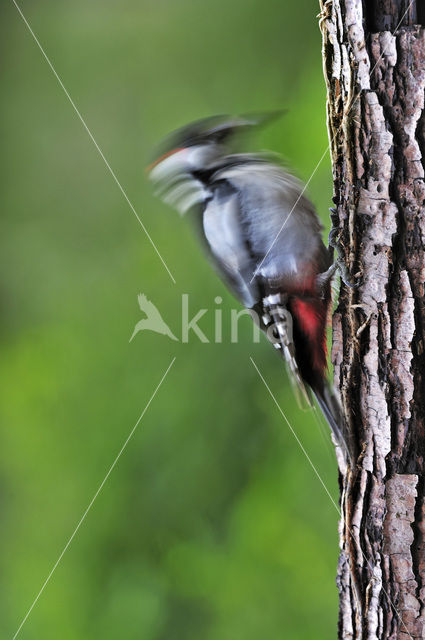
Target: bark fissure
{"type": "Point", "coordinates": [376, 119]}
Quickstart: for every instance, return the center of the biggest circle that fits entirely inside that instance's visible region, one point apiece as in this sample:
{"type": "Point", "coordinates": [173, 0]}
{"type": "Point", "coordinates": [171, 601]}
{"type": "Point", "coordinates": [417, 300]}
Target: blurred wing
{"type": "Point", "coordinates": [226, 245]}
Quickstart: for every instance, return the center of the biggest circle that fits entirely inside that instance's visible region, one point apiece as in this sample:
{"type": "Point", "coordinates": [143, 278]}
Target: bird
{"type": "Point", "coordinates": [264, 238]}
{"type": "Point", "coordinates": [153, 321]}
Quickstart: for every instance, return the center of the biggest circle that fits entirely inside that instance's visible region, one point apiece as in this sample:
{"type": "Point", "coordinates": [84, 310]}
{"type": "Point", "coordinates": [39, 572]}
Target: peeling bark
{"type": "Point", "coordinates": [374, 65]}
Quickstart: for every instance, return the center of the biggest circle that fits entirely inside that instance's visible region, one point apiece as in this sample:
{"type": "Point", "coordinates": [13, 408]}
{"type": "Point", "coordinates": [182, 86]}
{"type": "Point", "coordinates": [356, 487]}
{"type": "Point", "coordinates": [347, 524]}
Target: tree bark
{"type": "Point", "coordinates": [374, 64]}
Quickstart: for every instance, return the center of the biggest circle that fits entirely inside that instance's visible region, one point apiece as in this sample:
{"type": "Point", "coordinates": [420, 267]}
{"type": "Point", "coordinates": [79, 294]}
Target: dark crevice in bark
{"type": "Point", "coordinates": [386, 15]}
{"type": "Point", "coordinates": [420, 136]}
{"type": "Point", "coordinates": [382, 356]}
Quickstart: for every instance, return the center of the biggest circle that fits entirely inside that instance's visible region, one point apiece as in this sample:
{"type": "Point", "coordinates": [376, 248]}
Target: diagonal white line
{"type": "Point", "coordinates": [94, 141]}
{"type": "Point", "coordinates": [326, 490]}
{"type": "Point", "coordinates": [93, 499]}
{"type": "Point", "coordinates": [350, 106]}
{"type": "Point", "coordinates": [300, 444]}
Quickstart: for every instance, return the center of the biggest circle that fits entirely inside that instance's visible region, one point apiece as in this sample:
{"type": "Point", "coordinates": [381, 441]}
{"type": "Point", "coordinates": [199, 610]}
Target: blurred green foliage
{"type": "Point", "coordinates": [212, 525]}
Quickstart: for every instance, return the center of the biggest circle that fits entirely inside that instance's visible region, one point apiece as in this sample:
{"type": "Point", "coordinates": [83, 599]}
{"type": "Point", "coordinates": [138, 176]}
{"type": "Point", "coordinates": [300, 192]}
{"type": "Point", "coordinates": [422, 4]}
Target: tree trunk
{"type": "Point", "coordinates": [374, 63]}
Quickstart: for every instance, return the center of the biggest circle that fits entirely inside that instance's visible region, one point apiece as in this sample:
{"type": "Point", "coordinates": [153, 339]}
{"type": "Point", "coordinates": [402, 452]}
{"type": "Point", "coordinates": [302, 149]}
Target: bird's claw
{"type": "Point", "coordinates": [336, 243]}
{"type": "Point", "coordinates": [346, 277]}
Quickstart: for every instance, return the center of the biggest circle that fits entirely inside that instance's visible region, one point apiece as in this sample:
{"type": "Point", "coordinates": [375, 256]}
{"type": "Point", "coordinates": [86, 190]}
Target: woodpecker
{"type": "Point", "coordinates": [264, 238]}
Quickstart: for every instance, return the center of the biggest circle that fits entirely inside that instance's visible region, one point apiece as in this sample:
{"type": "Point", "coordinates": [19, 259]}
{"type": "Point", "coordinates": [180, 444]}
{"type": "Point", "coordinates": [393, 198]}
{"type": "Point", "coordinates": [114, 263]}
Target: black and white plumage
{"type": "Point", "coordinates": [263, 237]}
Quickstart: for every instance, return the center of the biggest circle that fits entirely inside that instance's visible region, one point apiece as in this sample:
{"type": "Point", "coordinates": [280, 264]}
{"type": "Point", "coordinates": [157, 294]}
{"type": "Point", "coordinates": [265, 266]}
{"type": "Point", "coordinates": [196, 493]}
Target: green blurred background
{"type": "Point", "coordinates": [212, 525]}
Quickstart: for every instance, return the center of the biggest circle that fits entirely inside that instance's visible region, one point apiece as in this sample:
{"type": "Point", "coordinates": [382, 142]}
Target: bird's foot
{"type": "Point", "coordinates": [350, 281]}
{"type": "Point", "coordinates": [335, 242]}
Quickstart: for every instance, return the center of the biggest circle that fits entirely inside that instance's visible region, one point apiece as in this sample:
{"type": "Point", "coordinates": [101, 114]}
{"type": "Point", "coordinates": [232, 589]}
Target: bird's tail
{"type": "Point", "coordinates": [278, 324]}
{"type": "Point", "coordinates": [331, 409]}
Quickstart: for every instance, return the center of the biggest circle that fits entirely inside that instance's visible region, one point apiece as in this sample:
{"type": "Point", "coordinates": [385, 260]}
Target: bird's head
{"type": "Point", "coordinates": [189, 154]}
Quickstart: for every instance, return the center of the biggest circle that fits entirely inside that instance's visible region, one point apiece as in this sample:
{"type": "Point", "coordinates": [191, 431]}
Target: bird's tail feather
{"type": "Point", "coordinates": [331, 409]}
